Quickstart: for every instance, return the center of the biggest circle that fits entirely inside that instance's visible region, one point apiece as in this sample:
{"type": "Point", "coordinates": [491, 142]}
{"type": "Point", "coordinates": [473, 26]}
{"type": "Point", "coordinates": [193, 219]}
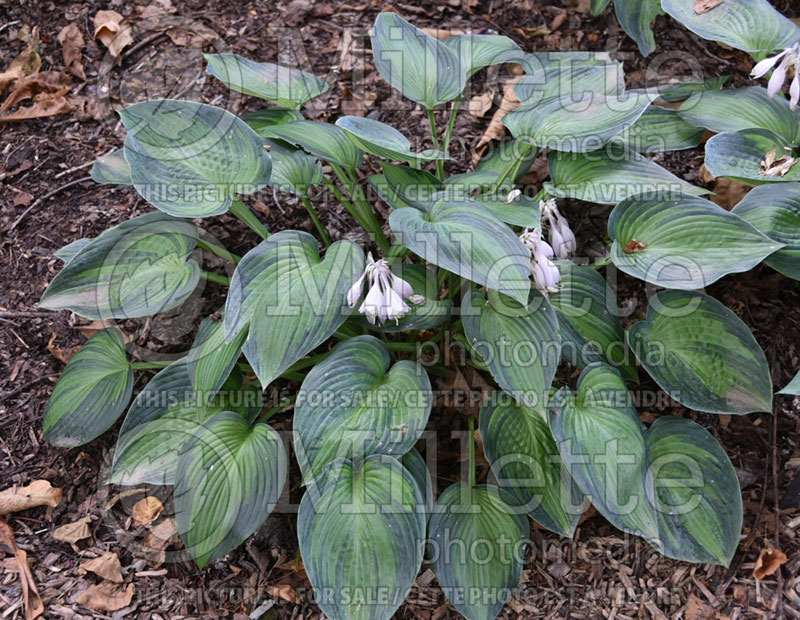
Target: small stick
{"type": "Point", "coordinates": [23, 314]}
{"type": "Point", "coordinates": [38, 201]}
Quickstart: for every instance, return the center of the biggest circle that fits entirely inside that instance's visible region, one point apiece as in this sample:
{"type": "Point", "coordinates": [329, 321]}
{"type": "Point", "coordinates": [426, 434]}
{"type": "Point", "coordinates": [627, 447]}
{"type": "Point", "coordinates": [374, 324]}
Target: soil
{"type": "Point", "coordinates": [601, 573]}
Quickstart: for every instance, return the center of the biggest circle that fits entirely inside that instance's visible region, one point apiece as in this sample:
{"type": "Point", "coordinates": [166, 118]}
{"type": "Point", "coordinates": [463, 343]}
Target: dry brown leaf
{"type": "Point", "coordinates": [106, 596]}
{"type": "Point", "coordinates": [727, 193]}
{"type": "Point", "coordinates": [95, 326]}
{"type": "Point", "coordinates": [73, 532]}
{"type": "Point", "coordinates": [31, 600]}
{"type": "Point", "coordinates": [22, 198]}
{"type": "Point", "coordinates": [496, 129]}
{"type": "Point", "coordinates": [697, 609]}
{"type": "Point", "coordinates": [112, 32]}
{"type": "Point", "coordinates": [633, 246]}
{"type": "Point", "coordinates": [704, 6]}
{"type": "Point", "coordinates": [347, 57]}
{"type": "Point", "coordinates": [37, 493]}
{"type": "Point", "coordinates": [768, 562]}
{"type": "Point", "coordinates": [531, 33]}
{"type": "Point", "coordinates": [63, 355]}
{"type": "Point", "coordinates": [156, 541]}
{"type": "Point", "coordinates": [28, 62]}
{"type": "Point", "coordinates": [72, 42]}
{"type": "Point", "coordinates": [146, 510]}
{"type": "Point", "coordinates": [479, 105]}
{"type": "Point", "coordinates": [106, 566]}
{"type": "Point", "coordinates": [156, 9]}
{"type": "Point", "coordinates": [772, 166]}
{"type": "Point", "coordinates": [284, 591]}
{"type": "Point", "coordinates": [39, 87]}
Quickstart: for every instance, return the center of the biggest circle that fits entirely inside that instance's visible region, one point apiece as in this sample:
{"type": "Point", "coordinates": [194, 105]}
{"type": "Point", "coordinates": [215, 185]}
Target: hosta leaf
{"type": "Point", "coordinates": [384, 140]}
{"type": "Point", "coordinates": [361, 532]}
{"type": "Point", "coordinates": [525, 461]}
{"type": "Point", "coordinates": [190, 159]}
{"type": "Point", "coordinates": [775, 211]}
{"type": "Point", "coordinates": [574, 81]}
{"type": "Point", "coordinates": [698, 499]}
{"type": "Point", "coordinates": [261, 120]}
{"type": "Point", "coordinates": [578, 126]}
{"type": "Point", "coordinates": [598, 6]}
{"type": "Point", "coordinates": [93, 391]}
{"type": "Point", "coordinates": [289, 88]}
{"type": "Point", "coordinates": [611, 175]}
{"type": "Point", "coordinates": [683, 243]}
{"type": "Point", "coordinates": [211, 359]}
{"type": "Point", "coordinates": [138, 268]}
{"type": "Point", "coordinates": [588, 304]}
{"type": "Point", "coordinates": [69, 251]}
{"type": "Point", "coordinates": [511, 154]}
{"type": "Point", "coordinates": [293, 170]}
{"type": "Point", "coordinates": [368, 408]}
{"type": "Point", "coordinates": [228, 480]}
{"type": "Point", "coordinates": [684, 90]}
{"type": "Point", "coordinates": [322, 140]}
{"type": "Point", "coordinates": [410, 186]}
{"type": "Point", "coordinates": [416, 466]}
{"type": "Point", "coordinates": [296, 300]}
{"type": "Point", "coordinates": [748, 25]}
{"type": "Point", "coordinates": [469, 181]}
{"type": "Point", "coordinates": [477, 51]}
{"type": "Point", "coordinates": [702, 354]}
{"type": "Point", "coordinates": [520, 211]}
{"type": "Point", "coordinates": [389, 194]}
{"type": "Point", "coordinates": [658, 130]}
{"type": "Point", "coordinates": [112, 169]}
{"type": "Point", "coordinates": [744, 155]}
{"type": "Point", "coordinates": [599, 437]}
{"type": "Point", "coordinates": [468, 240]}
{"type": "Point", "coordinates": [420, 66]}
{"type": "Point", "coordinates": [477, 548]}
{"type": "Point", "coordinates": [575, 349]}
{"type": "Point", "coordinates": [793, 386]}
{"type": "Point", "coordinates": [520, 345]}
{"type": "Point", "coordinates": [635, 17]}
{"type": "Point", "coordinates": [743, 108]}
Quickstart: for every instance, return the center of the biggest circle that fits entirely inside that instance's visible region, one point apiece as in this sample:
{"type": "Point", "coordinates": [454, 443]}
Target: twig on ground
{"type": "Point", "coordinates": [38, 201]}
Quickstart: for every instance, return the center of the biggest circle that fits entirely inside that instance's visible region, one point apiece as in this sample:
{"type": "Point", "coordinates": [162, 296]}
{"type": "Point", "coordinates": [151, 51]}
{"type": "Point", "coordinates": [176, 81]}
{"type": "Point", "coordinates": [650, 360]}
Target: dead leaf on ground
{"type": "Point", "coordinates": [28, 62]}
{"type": "Point", "coordinates": [772, 166]}
{"type": "Point", "coordinates": [73, 532]}
{"type": "Point", "coordinates": [156, 541]}
{"type": "Point", "coordinates": [531, 33]}
{"type": "Point", "coordinates": [697, 609]}
{"type": "Point", "coordinates": [112, 32]}
{"type": "Point", "coordinates": [284, 591]}
{"type": "Point", "coordinates": [38, 87]}
{"type": "Point", "coordinates": [768, 562]}
{"type": "Point", "coordinates": [22, 198]}
{"type": "Point", "coordinates": [479, 105]}
{"type": "Point", "coordinates": [346, 57]}
{"type": "Point", "coordinates": [31, 600]}
{"type": "Point", "coordinates": [728, 193]}
{"type": "Point", "coordinates": [157, 8]}
{"type": "Point", "coordinates": [704, 6]}
{"type": "Point", "coordinates": [63, 355]}
{"type": "Point", "coordinates": [92, 328]}
{"type": "Point", "coordinates": [146, 510]}
{"type": "Point", "coordinates": [106, 566]}
{"type": "Point", "coordinates": [496, 130]}
{"type": "Point", "coordinates": [106, 596]}
{"type": "Point", "coordinates": [37, 493]}
{"type": "Point", "coordinates": [72, 42]}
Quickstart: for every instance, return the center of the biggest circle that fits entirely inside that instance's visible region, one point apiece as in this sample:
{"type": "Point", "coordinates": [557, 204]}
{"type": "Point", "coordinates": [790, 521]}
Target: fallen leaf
{"type": "Point", "coordinates": [633, 246]}
{"type": "Point", "coordinates": [63, 355]}
{"type": "Point", "coordinates": [531, 33]}
{"type": "Point", "coordinates": [479, 105]}
{"type": "Point", "coordinates": [284, 591]}
{"type": "Point", "coordinates": [73, 532]}
{"type": "Point", "coordinates": [31, 600]}
{"type": "Point", "coordinates": [771, 166]}
{"type": "Point", "coordinates": [768, 562]}
{"type": "Point", "coordinates": [95, 326]}
{"type": "Point", "coordinates": [38, 87]}
{"type": "Point", "coordinates": [700, 610]}
{"type": "Point", "coordinates": [72, 42]}
{"type": "Point", "coordinates": [112, 32]}
{"type": "Point", "coordinates": [37, 493]}
{"type": "Point", "coordinates": [22, 198]}
{"type": "Point", "coordinates": [28, 62]}
{"type": "Point", "coordinates": [156, 9]}
{"type": "Point", "coordinates": [496, 130]}
{"type": "Point", "coordinates": [106, 596]}
{"type": "Point", "coordinates": [146, 510]}
{"type": "Point", "coordinates": [156, 541]}
{"type": "Point", "coordinates": [704, 6]}
{"type": "Point", "coordinates": [322, 9]}
{"type": "Point", "coordinates": [728, 193]}
{"type": "Point", "coordinates": [346, 57]}
{"type": "Point", "coordinates": [106, 566]}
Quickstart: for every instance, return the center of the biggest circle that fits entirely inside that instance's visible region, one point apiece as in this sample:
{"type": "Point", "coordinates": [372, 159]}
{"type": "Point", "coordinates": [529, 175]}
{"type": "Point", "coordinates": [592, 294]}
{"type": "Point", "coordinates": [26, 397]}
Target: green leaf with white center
{"type": "Point", "coordinates": [261, 120]}
{"type": "Point", "coordinates": [470, 241]}
{"type": "Point", "coordinates": [747, 25]}
{"type": "Point", "coordinates": [289, 88]}
{"type": "Point", "coordinates": [702, 354]}
{"type": "Point", "coordinates": [581, 126]}
{"type": "Point", "coordinates": [753, 157]}
{"type": "Point", "coordinates": [361, 531]}
{"type": "Point", "coordinates": [211, 359]}
{"type": "Point", "coordinates": [775, 211]}
{"type": "Point", "coordinates": [599, 437]}
{"type": "Point", "coordinates": [521, 210]}
{"type": "Point", "coordinates": [684, 243]}
{"type": "Point", "coordinates": [574, 80]}
{"type": "Point", "coordinates": [190, 159]}
{"type": "Point", "coordinates": [588, 304]}
{"type": "Point", "coordinates": [659, 130]}
{"type": "Point", "coordinates": [611, 175]}
{"type": "Point", "coordinates": [229, 478]}
{"type": "Point", "coordinates": [793, 387]}
{"type": "Point", "coordinates": [112, 169]}
{"type": "Point", "coordinates": [519, 344]}
{"type": "Point", "coordinates": [477, 51]}
{"type": "Point", "coordinates": [420, 66]}
{"type": "Point", "coordinates": [743, 108]}
{"type": "Point", "coordinates": [293, 170]}
{"type": "Point", "coordinates": [293, 299]}
{"type": "Point", "coordinates": [93, 391]}
{"type": "Point", "coordinates": [636, 17]}
{"type": "Point", "coordinates": [322, 140]}
{"type": "Point", "coordinates": [697, 495]}
{"type": "Point", "coordinates": [384, 140]}
{"type": "Point", "coordinates": [477, 548]}
{"type": "Point", "coordinates": [138, 268]}
{"type": "Point", "coordinates": [513, 155]}
{"type": "Point", "coordinates": [368, 408]}
{"type": "Point", "coordinates": [524, 458]}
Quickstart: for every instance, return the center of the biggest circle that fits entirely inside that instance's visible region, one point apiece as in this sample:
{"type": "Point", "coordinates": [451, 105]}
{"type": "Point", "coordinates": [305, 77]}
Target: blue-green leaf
{"type": "Point", "coordinates": [384, 140]}
{"type": "Point", "coordinates": [636, 17]}
{"type": "Point", "coordinates": [322, 140]}
{"type": "Point", "coordinates": [112, 169]}
{"type": "Point", "coordinates": [752, 157]}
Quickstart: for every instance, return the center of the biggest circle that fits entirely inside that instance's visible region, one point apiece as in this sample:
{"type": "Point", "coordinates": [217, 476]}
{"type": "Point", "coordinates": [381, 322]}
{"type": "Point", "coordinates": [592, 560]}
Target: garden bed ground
{"type": "Point", "coordinates": [601, 573]}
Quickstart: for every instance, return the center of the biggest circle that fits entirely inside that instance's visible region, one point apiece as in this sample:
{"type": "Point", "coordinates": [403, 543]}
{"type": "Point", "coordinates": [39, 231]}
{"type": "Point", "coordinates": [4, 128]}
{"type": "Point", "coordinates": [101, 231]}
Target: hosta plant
{"type": "Point", "coordinates": [473, 256]}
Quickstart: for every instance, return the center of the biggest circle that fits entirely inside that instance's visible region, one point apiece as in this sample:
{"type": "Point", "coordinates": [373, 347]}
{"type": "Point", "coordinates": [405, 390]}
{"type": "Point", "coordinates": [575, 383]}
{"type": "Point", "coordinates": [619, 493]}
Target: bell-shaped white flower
{"type": "Point", "coordinates": [789, 57]}
{"type": "Point", "coordinates": [561, 236]}
{"type": "Point", "coordinates": [386, 294]}
{"type": "Point", "coordinates": [545, 274]}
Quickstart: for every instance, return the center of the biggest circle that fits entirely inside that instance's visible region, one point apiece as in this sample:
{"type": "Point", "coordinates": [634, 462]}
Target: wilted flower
{"type": "Point", "coordinates": [561, 237]}
{"type": "Point", "coordinates": [545, 273]}
{"type": "Point", "coordinates": [387, 293]}
{"type": "Point", "coordinates": [788, 57]}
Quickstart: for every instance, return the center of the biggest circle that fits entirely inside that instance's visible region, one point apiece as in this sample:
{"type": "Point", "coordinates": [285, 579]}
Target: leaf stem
{"type": "Point", "coordinates": [215, 277]}
{"type": "Point", "coordinates": [219, 251]}
{"type": "Point", "coordinates": [524, 150]}
{"type": "Point", "coordinates": [359, 208]}
{"type": "Point", "coordinates": [451, 123]}
{"type": "Point", "coordinates": [471, 429]}
{"type": "Point", "coordinates": [315, 218]}
{"type": "Point", "coordinates": [435, 137]}
{"type": "Point", "coordinates": [150, 365]}
{"type": "Point", "coordinates": [273, 410]}
{"type": "Point", "coordinates": [240, 210]}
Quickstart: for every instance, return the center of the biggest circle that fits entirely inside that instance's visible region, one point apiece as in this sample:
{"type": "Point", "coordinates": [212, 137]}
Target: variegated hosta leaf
{"type": "Point", "coordinates": [658, 130]}
{"type": "Point", "coordinates": [513, 155]}
{"type": "Point", "coordinates": [189, 159]}
{"type": "Point", "coordinates": [519, 211]}
{"type": "Point", "coordinates": [138, 268]}
{"type": "Point", "coordinates": [416, 466]}
{"type": "Point", "coordinates": [261, 120]}
{"type": "Point", "coordinates": [697, 496]}
{"type": "Point", "coordinates": [293, 299]}
{"type": "Point", "coordinates": [92, 392]}
{"type": "Point", "coordinates": [683, 243]}
{"type": "Point", "coordinates": [636, 17]}
{"type": "Point", "coordinates": [599, 437]}
{"type": "Point", "coordinates": [702, 354]}
{"type": "Point", "coordinates": [69, 251]}
{"type": "Point", "coordinates": [522, 452]}
{"type": "Point", "coordinates": [289, 88]}
{"type": "Point", "coordinates": [420, 66]}
{"type": "Point", "coordinates": [753, 157]}
{"type": "Point", "coordinates": [466, 239]}
{"type": "Point", "coordinates": [748, 25]}
{"type": "Point", "coordinates": [361, 530]}
{"type": "Point", "coordinates": [476, 51]}
{"type": "Point", "coordinates": [229, 478]}
{"type": "Point", "coordinates": [211, 359]}
{"type": "Point", "coordinates": [775, 211]}
{"type": "Point", "coordinates": [322, 140]}
{"type": "Point", "coordinates": [519, 344]}
{"type": "Point", "coordinates": [571, 80]}
{"type": "Point", "coordinates": [410, 186]}
{"type": "Point", "coordinates": [384, 140]}
{"type": "Point", "coordinates": [293, 170]}
{"type": "Point", "coordinates": [112, 169]}
{"type": "Point", "coordinates": [598, 6]}
{"type": "Point", "coordinates": [793, 386]}
{"type": "Point", "coordinates": [352, 405]}
{"type": "Point", "coordinates": [477, 547]}
{"type": "Point", "coordinates": [611, 175]}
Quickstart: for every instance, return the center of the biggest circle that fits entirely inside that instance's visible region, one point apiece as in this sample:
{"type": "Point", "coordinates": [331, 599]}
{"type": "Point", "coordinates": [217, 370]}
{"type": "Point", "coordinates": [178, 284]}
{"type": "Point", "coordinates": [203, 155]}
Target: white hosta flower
{"type": "Point", "coordinates": [386, 296]}
{"type": "Point", "coordinates": [513, 195]}
{"type": "Point", "coordinates": [787, 58]}
{"type": "Point", "coordinates": [545, 274]}
{"type": "Point", "coordinates": [561, 237]}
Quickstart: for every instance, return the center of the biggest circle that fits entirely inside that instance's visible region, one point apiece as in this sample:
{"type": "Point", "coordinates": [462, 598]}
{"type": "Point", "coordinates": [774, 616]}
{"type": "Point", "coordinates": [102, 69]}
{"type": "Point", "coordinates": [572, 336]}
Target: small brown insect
{"type": "Point", "coordinates": [633, 246]}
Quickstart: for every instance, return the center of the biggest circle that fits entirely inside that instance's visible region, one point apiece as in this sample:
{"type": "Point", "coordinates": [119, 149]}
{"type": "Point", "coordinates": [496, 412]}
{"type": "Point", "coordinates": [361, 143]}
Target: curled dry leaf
{"type": "Point", "coordinates": [37, 493]}
{"type": "Point", "coordinates": [31, 600]}
{"type": "Point", "coordinates": [73, 532]}
{"type": "Point", "coordinates": [72, 42]}
{"type": "Point", "coordinates": [633, 246]}
{"type": "Point", "coordinates": [479, 105]}
{"type": "Point", "coordinates": [284, 591]}
{"type": "Point", "coordinates": [63, 355]}
{"type": "Point", "coordinates": [106, 566]}
{"type": "Point", "coordinates": [106, 596]}
{"type": "Point", "coordinates": [146, 510]}
{"type": "Point", "coordinates": [772, 166]}
{"type": "Point", "coordinates": [768, 562]}
{"type": "Point", "coordinates": [156, 541]}
{"type": "Point", "coordinates": [496, 129]}
{"type": "Point", "coordinates": [48, 90]}
{"type": "Point", "coordinates": [697, 609]}
{"type": "Point", "coordinates": [112, 32]}
{"type": "Point", "coordinates": [28, 62]}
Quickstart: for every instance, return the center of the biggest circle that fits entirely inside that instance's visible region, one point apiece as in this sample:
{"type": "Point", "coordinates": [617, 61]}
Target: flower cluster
{"type": "Point", "coordinates": [545, 273]}
{"type": "Point", "coordinates": [387, 293]}
{"type": "Point", "coordinates": [788, 57]}
{"type": "Point", "coordinates": [561, 238]}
